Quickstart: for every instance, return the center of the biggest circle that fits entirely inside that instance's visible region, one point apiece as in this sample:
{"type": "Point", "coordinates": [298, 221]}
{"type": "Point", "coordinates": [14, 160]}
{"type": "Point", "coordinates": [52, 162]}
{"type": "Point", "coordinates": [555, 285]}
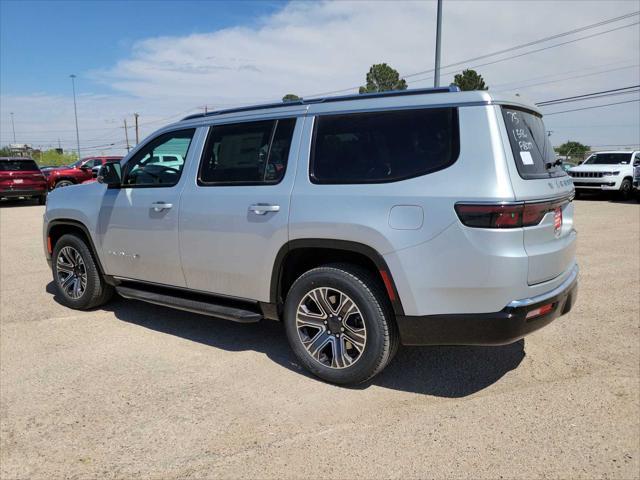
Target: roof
{"type": "Point", "coordinates": [446, 96]}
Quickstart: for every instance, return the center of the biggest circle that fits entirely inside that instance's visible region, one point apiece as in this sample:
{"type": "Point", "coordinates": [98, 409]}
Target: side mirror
{"type": "Point", "coordinates": [111, 175]}
{"type": "Point", "coordinates": [84, 167]}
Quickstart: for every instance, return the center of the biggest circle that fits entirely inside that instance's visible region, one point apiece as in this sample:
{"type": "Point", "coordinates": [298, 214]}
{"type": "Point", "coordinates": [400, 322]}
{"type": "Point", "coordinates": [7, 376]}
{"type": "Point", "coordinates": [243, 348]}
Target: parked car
{"type": "Point", "coordinates": [606, 171]}
{"type": "Point", "coordinates": [420, 217]}
{"type": "Point", "coordinates": [21, 177]}
{"type": "Point", "coordinates": [75, 173]}
{"type": "Point", "coordinates": [636, 179]}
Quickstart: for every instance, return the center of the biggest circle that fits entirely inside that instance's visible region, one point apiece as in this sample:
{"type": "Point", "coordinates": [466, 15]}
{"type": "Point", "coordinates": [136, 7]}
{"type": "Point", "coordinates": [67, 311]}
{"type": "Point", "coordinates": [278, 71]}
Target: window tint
{"type": "Point", "coordinates": [608, 159]}
{"type": "Point", "coordinates": [383, 146]}
{"type": "Point", "coordinates": [247, 153]}
{"type": "Point", "coordinates": [532, 150]}
{"type": "Point", "coordinates": [147, 167]}
{"type": "Point", "coordinates": [18, 166]}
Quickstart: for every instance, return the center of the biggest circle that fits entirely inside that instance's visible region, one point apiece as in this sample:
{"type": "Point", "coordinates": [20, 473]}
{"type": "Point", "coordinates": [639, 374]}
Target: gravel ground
{"type": "Point", "coordinates": [139, 390]}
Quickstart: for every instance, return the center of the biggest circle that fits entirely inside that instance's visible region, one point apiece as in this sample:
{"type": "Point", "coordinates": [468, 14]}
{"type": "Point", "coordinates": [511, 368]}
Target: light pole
{"type": "Point", "coordinates": [436, 74]}
{"type": "Point", "coordinates": [13, 127]}
{"type": "Point", "coordinates": [75, 110]}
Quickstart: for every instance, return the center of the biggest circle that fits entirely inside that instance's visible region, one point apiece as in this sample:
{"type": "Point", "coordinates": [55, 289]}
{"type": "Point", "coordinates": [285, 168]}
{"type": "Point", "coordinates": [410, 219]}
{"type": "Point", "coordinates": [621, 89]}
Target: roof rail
{"type": "Point", "coordinates": [343, 98]}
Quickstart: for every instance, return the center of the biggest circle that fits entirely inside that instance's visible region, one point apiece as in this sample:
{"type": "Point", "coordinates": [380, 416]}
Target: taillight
{"type": "Point", "coordinates": [538, 312]}
{"type": "Point", "coordinates": [505, 215]}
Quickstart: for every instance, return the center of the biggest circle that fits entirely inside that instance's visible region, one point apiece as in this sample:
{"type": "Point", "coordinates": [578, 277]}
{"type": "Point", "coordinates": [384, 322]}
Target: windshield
{"type": "Point", "coordinates": [532, 150]}
{"type": "Point", "coordinates": [77, 163]}
{"type": "Point", "coordinates": [18, 166]}
{"type": "Point", "coordinates": [608, 159]}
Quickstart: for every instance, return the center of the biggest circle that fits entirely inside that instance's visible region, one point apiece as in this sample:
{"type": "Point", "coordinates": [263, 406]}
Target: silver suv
{"type": "Point", "coordinates": [423, 217]}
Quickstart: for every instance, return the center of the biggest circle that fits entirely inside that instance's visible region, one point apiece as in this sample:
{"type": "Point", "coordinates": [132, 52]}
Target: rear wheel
{"type": "Point", "coordinates": [42, 199]}
{"type": "Point", "coordinates": [625, 188]}
{"type": "Point", "coordinates": [63, 183]}
{"type": "Point", "coordinates": [75, 273]}
{"type": "Point", "coordinates": [339, 324]}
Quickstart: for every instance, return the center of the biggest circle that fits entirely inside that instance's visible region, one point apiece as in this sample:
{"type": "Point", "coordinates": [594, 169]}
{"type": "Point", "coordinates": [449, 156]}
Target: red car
{"type": "Point", "coordinates": [77, 172]}
{"type": "Point", "coordinates": [21, 177]}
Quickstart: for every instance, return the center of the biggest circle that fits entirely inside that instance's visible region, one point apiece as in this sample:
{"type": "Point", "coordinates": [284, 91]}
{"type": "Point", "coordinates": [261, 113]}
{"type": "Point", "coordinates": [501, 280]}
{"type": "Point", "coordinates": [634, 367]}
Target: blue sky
{"type": "Point", "coordinates": [51, 39]}
{"type": "Point", "coordinates": [165, 59]}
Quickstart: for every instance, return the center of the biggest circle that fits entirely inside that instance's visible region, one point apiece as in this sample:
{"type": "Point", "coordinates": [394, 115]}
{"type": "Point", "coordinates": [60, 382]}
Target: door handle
{"type": "Point", "coordinates": [263, 208]}
{"type": "Point", "coordinates": [159, 206]}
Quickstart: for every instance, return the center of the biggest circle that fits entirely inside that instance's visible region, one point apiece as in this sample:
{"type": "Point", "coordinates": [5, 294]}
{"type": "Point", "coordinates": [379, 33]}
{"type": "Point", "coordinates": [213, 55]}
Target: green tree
{"type": "Point", "coordinates": [382, 78]}
{"type": "Point", "coordinates": [470, 80]}
{"type": "Point", "coordinates": [291, 97]}
{"type": "Point", "coordinates": [572, 148]}
{"type": "Point", "coordinates": [5, 152]}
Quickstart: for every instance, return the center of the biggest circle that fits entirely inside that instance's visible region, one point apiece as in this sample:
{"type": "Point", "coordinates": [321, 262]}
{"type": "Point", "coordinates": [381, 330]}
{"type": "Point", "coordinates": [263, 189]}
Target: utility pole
{"type": "Point", "coordinates": [13, 127]}
{"type": "Point", "coordinates": [135, 115]}
{"type": "Point", "coordinates": [126, 133]}
{"type": "Point", "coordinates": [436, 74]}
{"type": "Point", "coordinates": [75, 111]}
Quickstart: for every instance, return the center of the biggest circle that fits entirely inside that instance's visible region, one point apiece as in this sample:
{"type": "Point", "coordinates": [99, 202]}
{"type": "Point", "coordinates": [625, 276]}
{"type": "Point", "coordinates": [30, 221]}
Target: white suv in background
{"type": "Point", "coordinates": [606, 171]}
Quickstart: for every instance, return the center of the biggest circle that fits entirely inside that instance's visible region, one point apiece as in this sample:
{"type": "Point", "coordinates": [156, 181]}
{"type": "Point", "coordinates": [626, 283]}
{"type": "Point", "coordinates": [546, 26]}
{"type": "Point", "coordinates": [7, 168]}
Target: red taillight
{"type": "Point", "coordinates": [538, 312]}
{"type": "Point", "coordinates": [505, 216]}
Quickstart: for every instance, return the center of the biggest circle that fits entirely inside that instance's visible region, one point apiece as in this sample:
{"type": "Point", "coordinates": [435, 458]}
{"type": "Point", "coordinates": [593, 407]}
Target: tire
{"type": "Point", "coordinates": [366, 336]}
{"type": "Point", "coordinates": [63, 183]}
{"type": "Point", "coordinates": [626, 188]}
{"type": "Point", "coordinates": [42, 200]}
{"type": "Point", "coordinates": [73, 263]}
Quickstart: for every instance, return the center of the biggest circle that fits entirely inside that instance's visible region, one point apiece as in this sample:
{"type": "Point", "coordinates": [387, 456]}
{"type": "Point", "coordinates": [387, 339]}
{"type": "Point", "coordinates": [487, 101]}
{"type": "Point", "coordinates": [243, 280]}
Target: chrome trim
{"type": "Point", "coordinates": [545, 296]}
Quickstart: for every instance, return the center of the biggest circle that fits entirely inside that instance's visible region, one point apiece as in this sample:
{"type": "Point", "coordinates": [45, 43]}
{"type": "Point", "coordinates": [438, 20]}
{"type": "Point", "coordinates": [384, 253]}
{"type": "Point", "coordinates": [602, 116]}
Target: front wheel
{"type": "Point", "coordinates": [75, 273]}
{"type": "Point", "coordinates": [625, 189]}
{"type": "Point", "coordinates": [339, 324]}
{"type": "Point", "coordinates": [63, 183]}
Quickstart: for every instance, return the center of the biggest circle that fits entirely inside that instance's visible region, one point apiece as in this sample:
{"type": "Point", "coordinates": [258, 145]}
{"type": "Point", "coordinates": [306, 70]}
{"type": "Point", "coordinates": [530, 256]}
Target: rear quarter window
{"type": "Point", "coordinates": [380, 147]}
{"type": "Point", "coordinates": [532, 151]}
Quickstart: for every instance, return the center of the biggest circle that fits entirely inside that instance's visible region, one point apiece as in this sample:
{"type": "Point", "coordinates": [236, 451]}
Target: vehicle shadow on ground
{"type": "Point", "coordinates": [13, 202]}
{"type": "Point", "coordinates": [450, 372]}
{"type": "Point", "coordinates": [608, 197]}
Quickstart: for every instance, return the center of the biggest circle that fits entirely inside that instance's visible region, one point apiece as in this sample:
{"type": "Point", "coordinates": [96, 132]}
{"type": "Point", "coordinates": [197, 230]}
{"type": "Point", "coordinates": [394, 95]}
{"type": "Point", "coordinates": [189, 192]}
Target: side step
{"type": "Point", "coordinates": [190, 305]}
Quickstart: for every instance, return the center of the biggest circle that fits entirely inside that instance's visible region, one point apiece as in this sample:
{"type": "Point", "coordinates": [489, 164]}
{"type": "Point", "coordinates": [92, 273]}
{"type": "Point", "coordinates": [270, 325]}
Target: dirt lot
{"type": "Point", "coordinates": [139, 390]}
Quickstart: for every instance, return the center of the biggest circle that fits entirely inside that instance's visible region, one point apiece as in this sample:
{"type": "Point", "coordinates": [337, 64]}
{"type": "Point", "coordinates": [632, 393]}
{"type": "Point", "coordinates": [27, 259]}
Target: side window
{"type": "Point", "coordinates": [93, 163]}
{"type": "Point", "coordinates": [380, 147]}
{"type": "Point", "coordinates": [251, 153]}
{"type": "Point", "coordinates": [160, 162]}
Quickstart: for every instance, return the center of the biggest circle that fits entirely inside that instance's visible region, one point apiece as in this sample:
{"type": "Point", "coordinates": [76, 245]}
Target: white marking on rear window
{"type": "Point", "coordinates": [526, 157]}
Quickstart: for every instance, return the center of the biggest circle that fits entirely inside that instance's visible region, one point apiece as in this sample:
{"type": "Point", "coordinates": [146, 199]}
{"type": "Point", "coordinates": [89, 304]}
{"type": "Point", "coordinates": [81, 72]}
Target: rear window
{"type": "Point", "coordinates": [380, 147]}
{"type": "Point", "coordinates": [609, 159]}
{"type": "Point", "coordinates": [532, 150]}
{"type": "Point", "coordinates": [18, 166]}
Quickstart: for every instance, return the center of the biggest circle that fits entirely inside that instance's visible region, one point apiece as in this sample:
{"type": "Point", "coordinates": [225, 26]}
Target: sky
{"type": "Point", "coordinates": [166, 59]}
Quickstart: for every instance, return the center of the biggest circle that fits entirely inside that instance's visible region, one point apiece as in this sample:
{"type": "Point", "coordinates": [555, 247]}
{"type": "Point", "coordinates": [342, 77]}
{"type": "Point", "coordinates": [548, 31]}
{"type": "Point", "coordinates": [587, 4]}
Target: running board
{"type": "Point", "coordinates": [190, 305]}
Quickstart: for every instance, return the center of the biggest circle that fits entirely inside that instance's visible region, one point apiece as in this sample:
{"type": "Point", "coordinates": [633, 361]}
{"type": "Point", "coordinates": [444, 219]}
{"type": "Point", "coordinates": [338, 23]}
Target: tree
{"type": "Point", "coordinates": [572, 148]}
{"type": "Point", "coordinates": [291, 97]}
{"type": "Point", "coordinates": [470, 80]}
{"type": "Point", "coordinates": [5, 152]}
{"type": "Point", "coordinates": [382, 78]}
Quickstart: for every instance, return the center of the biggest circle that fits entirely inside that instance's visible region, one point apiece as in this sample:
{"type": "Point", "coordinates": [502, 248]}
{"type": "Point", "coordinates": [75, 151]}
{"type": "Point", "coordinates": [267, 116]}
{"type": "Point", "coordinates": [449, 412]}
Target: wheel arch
{"type": "Point", "coordinates": [298, 256]}
{"type": "Point", "coordinates": [59, 227]}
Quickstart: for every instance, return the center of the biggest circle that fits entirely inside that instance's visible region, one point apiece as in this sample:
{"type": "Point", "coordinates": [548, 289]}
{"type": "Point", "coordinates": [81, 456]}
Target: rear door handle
{"type": "Point", "coordinates": [159, 206]}
{"type": "Point", "coordinates": [263, 208]}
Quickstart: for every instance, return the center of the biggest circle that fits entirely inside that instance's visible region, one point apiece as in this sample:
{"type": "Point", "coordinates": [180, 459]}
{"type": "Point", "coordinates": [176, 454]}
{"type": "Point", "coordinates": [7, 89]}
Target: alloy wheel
{"type": "Point", "coordinates": [71, 272]}
{"type": "Point", "coordinates": [331, 327]}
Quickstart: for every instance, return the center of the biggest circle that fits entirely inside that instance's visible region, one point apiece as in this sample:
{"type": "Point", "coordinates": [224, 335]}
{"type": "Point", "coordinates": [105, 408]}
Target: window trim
{"type": "Point", "coordinates": [125, 169]}
{"type": "Point", "coordinates": [275, 121]}
{"type": "Point", "coordinates": [454, 157]}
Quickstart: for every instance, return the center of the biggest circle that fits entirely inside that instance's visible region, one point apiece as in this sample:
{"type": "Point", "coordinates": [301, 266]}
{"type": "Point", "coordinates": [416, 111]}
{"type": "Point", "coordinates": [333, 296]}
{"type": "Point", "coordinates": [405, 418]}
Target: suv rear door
{"type": "Point", "coordinates": [234, 217]}
{"type": "Point", "coordinates": [537, 178]}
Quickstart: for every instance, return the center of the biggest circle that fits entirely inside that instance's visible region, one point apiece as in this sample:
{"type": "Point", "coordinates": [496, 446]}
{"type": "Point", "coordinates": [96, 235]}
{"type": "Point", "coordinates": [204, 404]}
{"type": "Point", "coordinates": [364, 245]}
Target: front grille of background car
{"type": "Point", "coordinates": [587, 174]}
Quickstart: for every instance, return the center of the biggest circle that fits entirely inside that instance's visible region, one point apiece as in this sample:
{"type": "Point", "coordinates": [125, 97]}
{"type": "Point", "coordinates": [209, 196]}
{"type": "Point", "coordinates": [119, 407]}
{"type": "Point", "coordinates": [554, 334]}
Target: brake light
{"type": "Point", "coordinates": [506, 215]}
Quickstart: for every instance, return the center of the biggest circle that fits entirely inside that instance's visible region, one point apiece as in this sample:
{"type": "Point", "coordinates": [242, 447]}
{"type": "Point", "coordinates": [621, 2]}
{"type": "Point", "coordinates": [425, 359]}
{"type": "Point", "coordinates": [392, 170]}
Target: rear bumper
{"type": "Point", "coordinates": [499, 328]}
{"type": "Point", "coordinates": [30, 192]}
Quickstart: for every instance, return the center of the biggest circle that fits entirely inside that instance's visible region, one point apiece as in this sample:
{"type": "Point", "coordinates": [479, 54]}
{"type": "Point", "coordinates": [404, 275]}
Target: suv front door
{"type": "Point", "coordinates": [139, 221]}
{"type": "Point", "coordinates": [234, 218]}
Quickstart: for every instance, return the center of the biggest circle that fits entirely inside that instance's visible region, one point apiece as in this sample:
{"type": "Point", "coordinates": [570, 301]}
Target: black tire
{"type": "Point", "coordinates": [42, 199]}
{"type": "Point", "coordinates": [64, 183]}
{"type": "Point", "coordinates": [374, 312]}
{"type": "Point", "coordinates": [96, 291]}
{"type": "Point", "coordinates": [626, 187]}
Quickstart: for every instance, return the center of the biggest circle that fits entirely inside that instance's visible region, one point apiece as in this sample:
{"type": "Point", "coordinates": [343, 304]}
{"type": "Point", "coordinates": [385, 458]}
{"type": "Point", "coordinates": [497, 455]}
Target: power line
{"type": "Point", "coordinates": [585, 95]}
{"type": "Point", "coordinates": [506, 50]}
{"type": "Point", "coordinates": [594, 106]}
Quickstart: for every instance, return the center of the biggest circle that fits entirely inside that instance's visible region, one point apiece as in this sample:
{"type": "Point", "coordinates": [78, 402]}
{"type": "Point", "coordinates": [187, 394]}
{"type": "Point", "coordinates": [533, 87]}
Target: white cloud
{"type": "Point", "coordinates": [309, 48]}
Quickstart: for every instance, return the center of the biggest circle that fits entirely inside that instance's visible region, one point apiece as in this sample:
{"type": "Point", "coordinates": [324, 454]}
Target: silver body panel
{"type": "Point", "coordinates": [210, 240]}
